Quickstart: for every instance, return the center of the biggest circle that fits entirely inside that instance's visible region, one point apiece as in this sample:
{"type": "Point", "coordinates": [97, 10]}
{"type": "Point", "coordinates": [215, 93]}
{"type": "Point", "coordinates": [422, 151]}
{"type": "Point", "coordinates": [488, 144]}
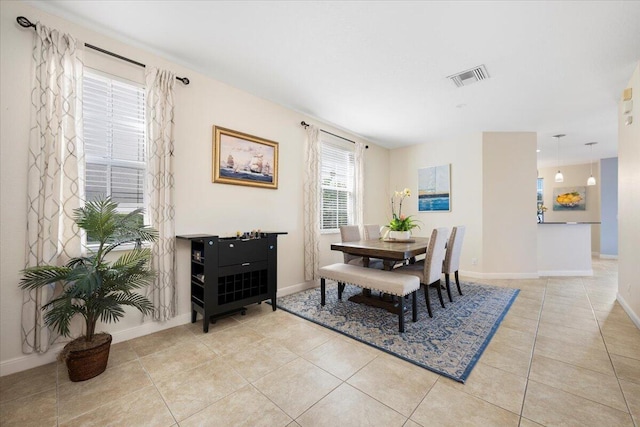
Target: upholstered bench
{"type": "Point", "coordinates": [398, 285]}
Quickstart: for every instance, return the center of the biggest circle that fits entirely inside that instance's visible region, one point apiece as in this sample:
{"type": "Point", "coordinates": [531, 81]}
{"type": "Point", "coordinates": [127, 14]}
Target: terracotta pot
{"type": "Point", "coordinates": [86, 363]}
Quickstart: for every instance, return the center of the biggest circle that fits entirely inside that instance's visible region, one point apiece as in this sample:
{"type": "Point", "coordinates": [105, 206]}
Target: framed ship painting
{"type": "Point", "coordinates": [242, 159]}
{"type": "Point", "coordinates": [434, 189]}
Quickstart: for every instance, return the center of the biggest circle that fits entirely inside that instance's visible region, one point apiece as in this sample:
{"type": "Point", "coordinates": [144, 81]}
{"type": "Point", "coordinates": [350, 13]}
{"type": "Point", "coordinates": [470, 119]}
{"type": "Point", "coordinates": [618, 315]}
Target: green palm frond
{"type": "Point", "coordinates": [93, 287]}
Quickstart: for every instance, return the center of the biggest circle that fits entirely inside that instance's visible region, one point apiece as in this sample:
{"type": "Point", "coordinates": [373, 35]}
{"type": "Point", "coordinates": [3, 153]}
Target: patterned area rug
{"type": "Point", "coordinates": [448, 344]}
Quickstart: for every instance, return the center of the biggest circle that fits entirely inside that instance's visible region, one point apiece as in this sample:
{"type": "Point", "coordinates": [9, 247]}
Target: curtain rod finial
{"type": "Point", "coordinates": [24, 22]}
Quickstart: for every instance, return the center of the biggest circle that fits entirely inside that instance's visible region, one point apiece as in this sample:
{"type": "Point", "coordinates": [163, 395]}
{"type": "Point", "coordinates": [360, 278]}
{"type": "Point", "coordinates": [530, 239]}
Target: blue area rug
{"type": "Point", "coordinates": [448, 344]}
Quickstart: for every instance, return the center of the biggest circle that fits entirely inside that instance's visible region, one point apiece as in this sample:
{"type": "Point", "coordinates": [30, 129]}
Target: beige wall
{"type": "Point", "coordinates": [629, 205]}
{"type": "Point", "coordinates": [574, 175]}
{"type": "Point", "coordinates": [509, 245]}
{"type": "Point", "coordinates": [465, 156]}
{"type": "Point", "coordinates": [201, 206]}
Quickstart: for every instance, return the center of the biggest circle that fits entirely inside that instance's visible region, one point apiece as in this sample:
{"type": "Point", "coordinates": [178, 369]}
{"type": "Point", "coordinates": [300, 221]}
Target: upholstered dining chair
{"type": "Point", "coordinates": [371, 231]}
{"type": "Point", "coordinates": [429, 270]}
{"type": "Point", "coordinates": [351, 233]}
{"type": "Point", "coordinates": [451, 262]}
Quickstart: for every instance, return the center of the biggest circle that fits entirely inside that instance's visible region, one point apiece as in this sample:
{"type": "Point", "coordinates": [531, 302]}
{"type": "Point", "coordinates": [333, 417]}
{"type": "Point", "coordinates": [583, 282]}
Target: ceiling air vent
{"type": "Point", "coordinates": [465, 78]}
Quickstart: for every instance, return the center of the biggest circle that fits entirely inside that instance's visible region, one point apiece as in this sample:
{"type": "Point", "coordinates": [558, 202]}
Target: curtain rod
{"type": "Point", "coordinates": [306, 125]}
{"type": "Point", "coordinates": [24, 22]}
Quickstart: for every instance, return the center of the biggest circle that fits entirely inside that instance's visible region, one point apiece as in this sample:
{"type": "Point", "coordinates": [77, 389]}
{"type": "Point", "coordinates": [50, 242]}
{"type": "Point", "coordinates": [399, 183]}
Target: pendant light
{"type": "Point", "coordinates": [559, 177]}
{"type": "Point", "coordinates": [591, 180]}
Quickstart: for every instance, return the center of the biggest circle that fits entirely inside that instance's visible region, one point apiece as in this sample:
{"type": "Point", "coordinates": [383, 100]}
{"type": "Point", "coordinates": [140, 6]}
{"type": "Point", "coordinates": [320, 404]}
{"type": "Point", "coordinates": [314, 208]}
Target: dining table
{"type": "Point", "coordinates": [390, 252]}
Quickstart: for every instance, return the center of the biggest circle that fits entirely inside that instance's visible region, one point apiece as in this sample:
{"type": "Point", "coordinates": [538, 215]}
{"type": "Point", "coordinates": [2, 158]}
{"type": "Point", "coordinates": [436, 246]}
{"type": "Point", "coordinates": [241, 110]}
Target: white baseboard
{"type": "Point", "coordinates": [634, 317]}
{"type": "Point", "coordinates": [605, 256]}
{"type": "Point", "coordinates": [478, 275]}
{"type": "Point", "coordinates": [546, 273]}
{"type": "Point", "coordinates": [34, 360]}
{"type": "Point", "coordinates": [296, 288]}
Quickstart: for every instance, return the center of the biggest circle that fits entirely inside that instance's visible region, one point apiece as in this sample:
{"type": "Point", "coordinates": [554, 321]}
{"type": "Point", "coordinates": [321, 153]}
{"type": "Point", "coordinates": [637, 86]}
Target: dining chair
{"type": "Point", "coordinates": [451, 262]}
{"type": "Point", "coordinates": [371, 231]}
{"type": "Point", "coordinates": [429, 270]}
{"type": "Point", "coordinates": [351, 233]}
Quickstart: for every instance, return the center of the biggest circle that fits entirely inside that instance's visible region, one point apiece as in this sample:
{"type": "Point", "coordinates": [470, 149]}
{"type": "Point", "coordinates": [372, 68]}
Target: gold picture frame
{"type": "Point", "coordinates": [243, 159]}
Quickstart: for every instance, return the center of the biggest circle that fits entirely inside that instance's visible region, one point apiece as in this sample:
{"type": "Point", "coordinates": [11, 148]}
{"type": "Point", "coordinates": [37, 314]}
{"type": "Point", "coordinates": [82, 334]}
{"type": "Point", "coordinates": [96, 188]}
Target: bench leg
{"type": "Point", "coordinates": [401, 315]}
{"type": "Point", "coordinates": [322, 288]}
{"type": "Point", "coordinates": [414, 297]}
{"type": "Point", "coordinates": [340, 289]}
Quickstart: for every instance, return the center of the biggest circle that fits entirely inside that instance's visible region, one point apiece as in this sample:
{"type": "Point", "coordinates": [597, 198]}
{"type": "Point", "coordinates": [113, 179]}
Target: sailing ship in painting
{"type": "Point", "coordinates": [255, 169]}
{"type": "Point", "coordinates": [434, 189]}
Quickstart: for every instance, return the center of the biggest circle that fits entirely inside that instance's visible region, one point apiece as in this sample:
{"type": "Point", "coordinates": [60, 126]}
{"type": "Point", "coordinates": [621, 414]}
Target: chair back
{"type": "Point", "coordinates": [349, 233]}
{"type": "Point", "coordinates": [454, 248]}
{"type": "Point", "coordinates": [371, 231]}
{"type": "Point", "coordinates": [435, 255]}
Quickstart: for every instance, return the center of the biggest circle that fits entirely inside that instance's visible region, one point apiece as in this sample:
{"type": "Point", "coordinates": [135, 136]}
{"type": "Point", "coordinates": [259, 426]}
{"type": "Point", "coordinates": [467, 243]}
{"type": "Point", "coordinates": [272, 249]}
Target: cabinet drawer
{"type": "Point", "coordinates": [232, 252]}
{"type": "Point", "coordinates": [245, 267]}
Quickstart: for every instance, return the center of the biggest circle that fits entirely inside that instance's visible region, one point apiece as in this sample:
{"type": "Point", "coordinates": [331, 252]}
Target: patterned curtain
{"type": "Point", "coordinates": [311, 204]}
{"type": "Point", "coordinates": [160, 184]}
{"type": "Point", "coordinates": [55, 184]}
{"type": "Point", "coordinates": [358, 160]}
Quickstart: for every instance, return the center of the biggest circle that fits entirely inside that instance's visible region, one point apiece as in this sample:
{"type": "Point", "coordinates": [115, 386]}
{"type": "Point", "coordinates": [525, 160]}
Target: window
{"type": "Point", "coordinates": [114, 135]}
{"type": "Point", "coordinates": [540, 188]}
{"type": "Point", "coordinates": [337, 178]}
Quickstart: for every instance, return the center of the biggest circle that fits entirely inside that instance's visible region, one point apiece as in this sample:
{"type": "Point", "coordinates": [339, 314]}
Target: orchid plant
{"type": "Point", "coordinates": [399, 221]}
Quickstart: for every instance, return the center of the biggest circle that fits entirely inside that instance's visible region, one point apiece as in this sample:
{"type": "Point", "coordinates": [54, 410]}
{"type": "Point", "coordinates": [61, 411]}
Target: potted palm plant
{"type": "Point", "coordinates": [93, 287]}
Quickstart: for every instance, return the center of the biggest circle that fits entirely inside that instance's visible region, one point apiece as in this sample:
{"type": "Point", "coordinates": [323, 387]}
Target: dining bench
{"type": "Point", "coordinates": [399, 285]}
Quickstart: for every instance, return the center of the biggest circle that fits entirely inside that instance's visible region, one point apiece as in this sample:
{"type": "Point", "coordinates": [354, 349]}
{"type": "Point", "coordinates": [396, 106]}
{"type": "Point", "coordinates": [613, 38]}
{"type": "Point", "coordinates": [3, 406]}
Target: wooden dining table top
{"type": "Point", "coordinates": [384, 249]}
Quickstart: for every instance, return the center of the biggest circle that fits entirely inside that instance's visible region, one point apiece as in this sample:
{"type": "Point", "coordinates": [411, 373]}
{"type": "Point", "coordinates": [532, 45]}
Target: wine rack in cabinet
{"type": "Point", "coordinates": [228, 273]}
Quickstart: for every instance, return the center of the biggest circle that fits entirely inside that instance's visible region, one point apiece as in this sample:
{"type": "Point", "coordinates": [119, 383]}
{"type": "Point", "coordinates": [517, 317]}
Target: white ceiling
{"type": "Point", "coordinates": [378, 69]}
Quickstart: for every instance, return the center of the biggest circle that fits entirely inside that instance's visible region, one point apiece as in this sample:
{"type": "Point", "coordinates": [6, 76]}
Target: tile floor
{"type": "Point", "coordinates": [566, 354]}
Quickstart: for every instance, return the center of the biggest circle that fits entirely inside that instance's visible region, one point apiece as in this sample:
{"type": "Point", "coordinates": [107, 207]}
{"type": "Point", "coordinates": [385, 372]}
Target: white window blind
{"type": "Point", "coordinates": [114, 134]}
{"type": "Point", "coordinates": [337, 178]}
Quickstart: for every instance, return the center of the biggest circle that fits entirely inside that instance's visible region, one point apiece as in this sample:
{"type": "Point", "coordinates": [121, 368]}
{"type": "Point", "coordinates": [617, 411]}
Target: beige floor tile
{"type": "Point", "coordinates": [342, 358]}
{"type": "Point", "coordinates": [626, 368]}
{"type": "Point", "coordinates": [519, 323]}
{"type": "Point", "coordinates": [34, 410]}
{"type": "Point", "coordinates": [524, 422]}
{"type": "Point", "coordinates": [572, 336]}
{"type": "Point", "coordinates": [569, 320]}
{"type": "Point", "coordinates": [549, 406]}
{"type": "Point", "coordinates": [507, 358]}
{"type": "Point", "coordinates": [626, 330]}
{"type": "Point", "coordinates": [245, 407]}
{"type": "Point", "coordinates": [495, 386]}
{"type": "Point", "coordinates": [585, 357]}
{"type": "Point", "coordinates": [270, 324]}
{"type": "Point", "coordinates": [296, 386]}
{"type": "Point", "coordinates": [446, 406]}
{"type": "Point", "coordinates": [601, 388]}
{"type": "Point", "coordinates": [631, 393]}
{"type": "Point", "coordinates": [260, 358]}
{"type": "Point", "coordinates": [577, 302]}
{"type": "Point", "coordinates": [517, 339]}
{"type": "Point", "coordinates": [176, 359]}
{"type": "Point", "coordinates": [220, 324]}
{"type": "Point", "coordinates": [394, 382]}
{"type": "Point", "coordinates": [76, 398]}
{"type": "Point", "coordinates": [158, 341]}
{"type": "Point", "coordinates": [143, 407]}
{"type": "Point", "coordinates": [31, 381]}
{"type": "Point", "coordinates": [532, 294]}
{"type": "Point", "coordinates": [302, 337]}
{"type": "Point", "coordinates": [121, 353]}
{"type": "Point", "coordinates": [623, 345]}
{"type": "Point", "coordinates": [347, 406]}
{"type": "Point", "coordinates": [527, 303]}
{"type": "Point", "coordinates": [524, 311]}
{"type": "Point", "coordinates": [551, 307]}
{"type": "Point", "coordinates": [230, 340]}
{"type": "Point", "coordinates": [293, 424]}
{"type": "Point", "coordinates": [190, 391]}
